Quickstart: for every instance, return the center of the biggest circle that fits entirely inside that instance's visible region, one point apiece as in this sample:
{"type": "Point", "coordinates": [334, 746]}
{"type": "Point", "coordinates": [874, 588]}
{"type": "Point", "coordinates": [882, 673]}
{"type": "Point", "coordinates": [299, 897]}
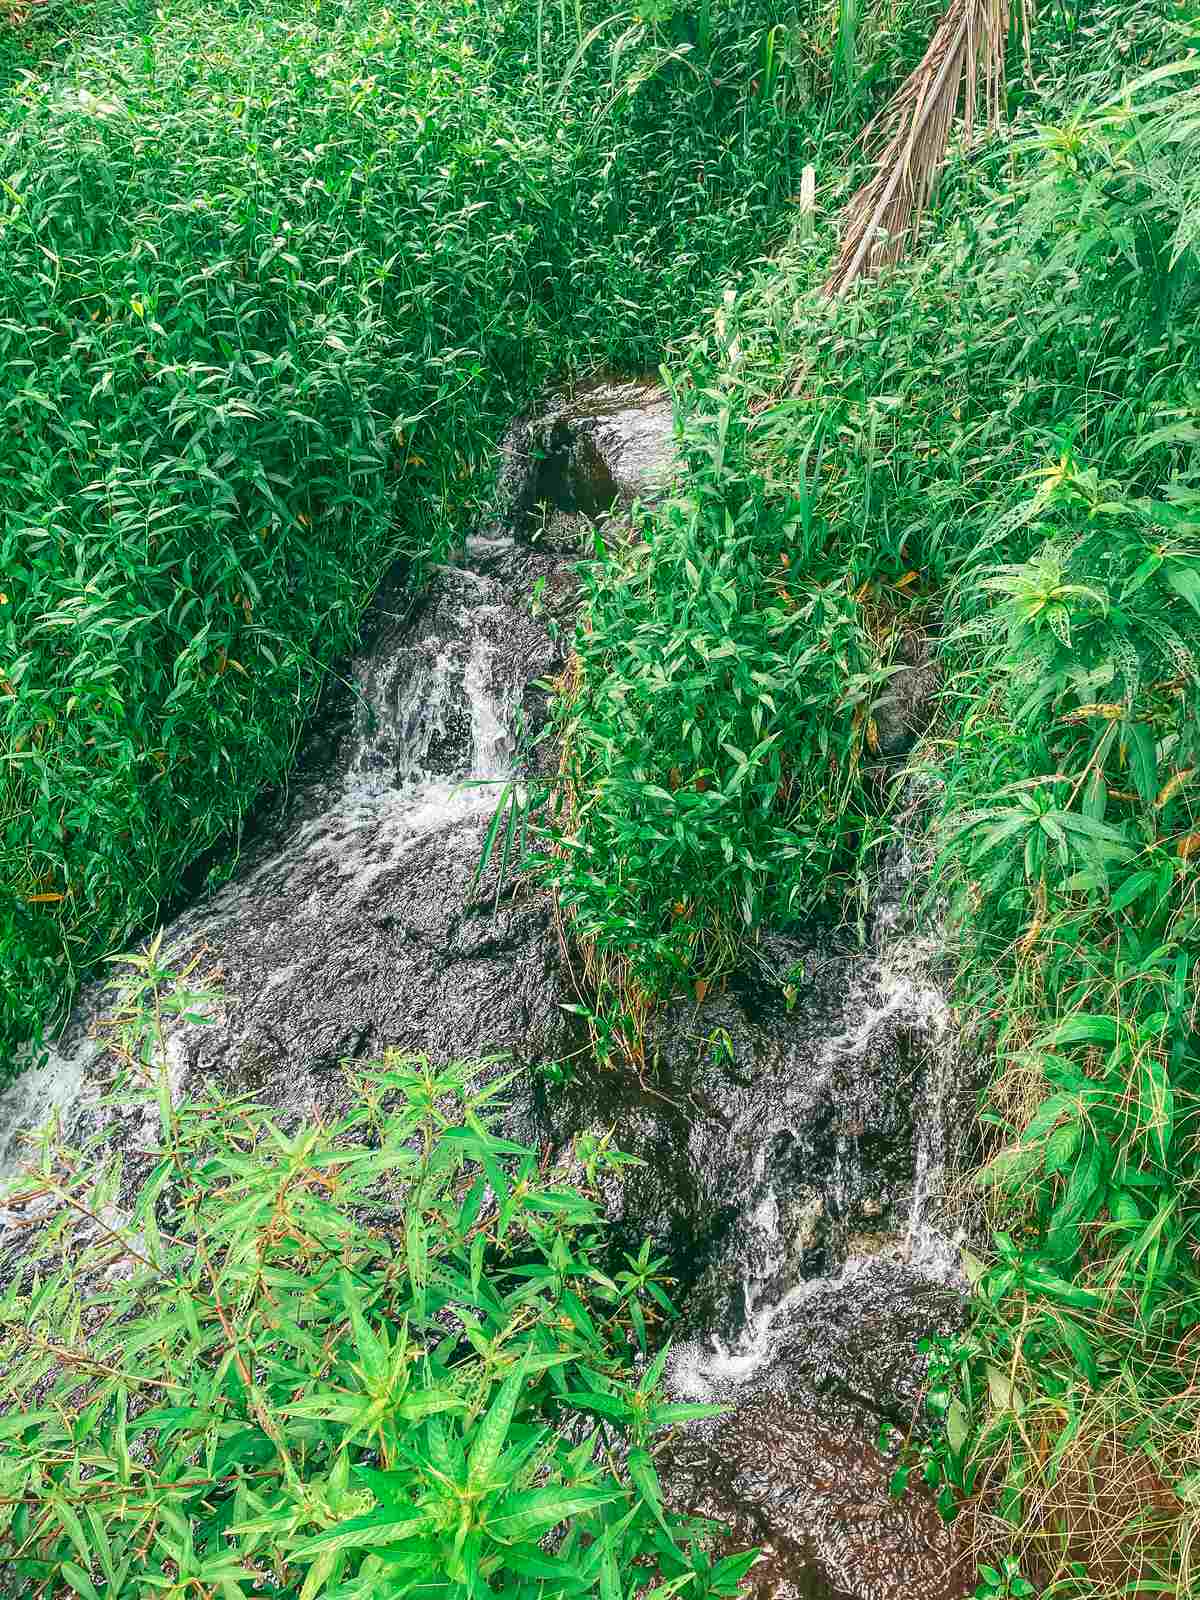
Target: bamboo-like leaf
{"type": "Point", "coordinates": [492, 1429]}
{"type": "Point", "coordinates": [533, 1512]}
{"type": "Point", "coordinates": [368, 1532]}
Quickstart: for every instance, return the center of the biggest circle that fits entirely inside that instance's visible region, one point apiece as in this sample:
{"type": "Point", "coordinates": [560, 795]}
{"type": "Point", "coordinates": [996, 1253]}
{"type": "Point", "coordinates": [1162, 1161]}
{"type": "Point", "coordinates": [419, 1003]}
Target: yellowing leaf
{"type": "Point", "coordinates": [1005, 1395]}
{"type": "Point", "coordinates": [1100, 708]}
{"type": "Point", "coordinates": [1172, 787]}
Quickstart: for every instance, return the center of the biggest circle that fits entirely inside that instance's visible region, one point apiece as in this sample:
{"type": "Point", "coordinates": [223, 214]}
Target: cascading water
{"type": "Point", "coordinates": [889, 994]}
{"type": "Point", "coordinates": [793, 1136]}
{"type": "Point", "coordinates": [375, 848]}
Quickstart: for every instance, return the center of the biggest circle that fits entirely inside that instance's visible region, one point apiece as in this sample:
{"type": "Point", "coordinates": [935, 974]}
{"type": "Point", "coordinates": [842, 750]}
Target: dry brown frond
{"type": "Point", "coordinates": [965, 56]}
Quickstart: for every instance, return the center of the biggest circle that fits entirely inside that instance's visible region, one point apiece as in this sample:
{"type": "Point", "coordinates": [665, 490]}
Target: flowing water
{"type": "Point", "coordinates": [795, 1126]}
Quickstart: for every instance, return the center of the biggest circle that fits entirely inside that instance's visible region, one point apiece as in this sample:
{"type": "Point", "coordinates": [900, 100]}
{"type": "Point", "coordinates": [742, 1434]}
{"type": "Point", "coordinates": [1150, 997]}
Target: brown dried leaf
{"type": "Point", "coordinates": [970, 43]}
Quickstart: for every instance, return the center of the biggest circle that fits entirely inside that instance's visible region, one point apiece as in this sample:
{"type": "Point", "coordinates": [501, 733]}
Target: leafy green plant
{"type": "Point", "coordinates": [1003, 1584]}
{"type": "Point", "coordinates": [1068, 834]}
{"type": "Point", "coordinates": [706, 690]}
{"type": "Point", "coordinates": [271, 287]}
{"type": "Point", "coordinates": [994, 444]}
{"type": "Point", "coordinates": [354, 1359]}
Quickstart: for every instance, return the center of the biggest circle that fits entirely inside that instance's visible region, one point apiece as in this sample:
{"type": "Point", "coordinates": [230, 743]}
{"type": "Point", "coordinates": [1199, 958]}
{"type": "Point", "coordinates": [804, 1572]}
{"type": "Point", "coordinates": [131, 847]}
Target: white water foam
{"type": "Point", "coordinates": [410, 700]}
{"type": "Point", "coordinates": [896, 987]}
{"type": "Point", "coordinates": [37, 1099]}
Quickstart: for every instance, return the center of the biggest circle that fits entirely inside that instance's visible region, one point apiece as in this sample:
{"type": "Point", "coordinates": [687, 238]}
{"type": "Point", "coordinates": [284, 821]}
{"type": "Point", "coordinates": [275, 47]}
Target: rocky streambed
{"type": "Point", "coordinates": [794, 1126]}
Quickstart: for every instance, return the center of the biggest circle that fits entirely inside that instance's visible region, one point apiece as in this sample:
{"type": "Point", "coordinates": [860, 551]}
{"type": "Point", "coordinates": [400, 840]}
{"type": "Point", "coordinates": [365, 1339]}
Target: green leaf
{"type": "Point", "coordinates": [377, 1528]}
{"type": "Point", "coordinates": [1077, 1343]}
{"type": "Point", "coordinates": [645, 1478]}
{"type": "Point", "coordinates": [728, 1573]}
{"type": "Point", "coordinates": [1004, 1394]}
{"type": "Point", "coordinates": [661, 1416]}
{"type": "Point", "coordinates": [1061, 1145]}
{"type": "Point", "coordinates": [492, 1429]}
{"type": "Point", "coordinates": [1082, 1028]}
{"type": "Point", "coordinates": [1185, 581]}
{"type": "Point", "coordinates": [957, 1425]}
{"type": "Point", "coordinates": [72, 1526]}
{"type": "Point", "coordinates": [1156, 1113]}
{"type": "Point", "coordinates": [605, 1405]}
{"type": "Point", "coordinates": [79, 1580]}
{"type": "Point", "coordinates": [1132, 889]}
{"type": "Point", "coordinates": [527, 1561]}
{"type": "Point", "coordinates": [535, 1511]}
{"type": "Point", "coordinates": [1143, 761]}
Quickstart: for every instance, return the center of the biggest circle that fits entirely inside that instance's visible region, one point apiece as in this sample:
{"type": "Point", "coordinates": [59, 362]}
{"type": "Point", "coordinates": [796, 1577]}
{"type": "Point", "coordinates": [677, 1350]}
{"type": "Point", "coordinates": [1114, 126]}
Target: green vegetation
{"type": "Point", "coordinates": [844, 460]}
{"type": "Point", "coordinates": [995, 444]}
{"type": "Point", "coordinates": [271, 284]}
{"type": "Point", "coordinates": [377, 1357]}
{"type": "Point", "coordinates": [1070, 833]}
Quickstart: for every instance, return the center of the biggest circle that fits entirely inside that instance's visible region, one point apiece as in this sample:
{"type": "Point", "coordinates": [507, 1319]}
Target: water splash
{"type": "Point", "coordinates": [893, 990]}
{"type": "Point", "coordinates": [39, 1099]}
{"type": "Point", "coordinates": [431, 742]}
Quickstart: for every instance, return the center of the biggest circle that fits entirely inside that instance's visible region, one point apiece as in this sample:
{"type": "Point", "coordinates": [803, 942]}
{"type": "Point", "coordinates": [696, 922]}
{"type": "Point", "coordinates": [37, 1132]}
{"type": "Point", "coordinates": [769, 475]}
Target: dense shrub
{"type": "Point", "coordinates": [845, 461]}
{"type": "Point", "coordinates": [270, 284]}
{"type": "Point", "coordinates": [705, 735]}
{"type": "Point", "coordinates": [366, 1358]}
{"type": "Point", "coordinates": [998, 443]}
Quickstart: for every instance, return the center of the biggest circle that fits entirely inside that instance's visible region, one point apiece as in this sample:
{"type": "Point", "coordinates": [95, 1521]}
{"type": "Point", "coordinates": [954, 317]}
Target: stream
{"type": "Point", "coordinates": [796, 1135]}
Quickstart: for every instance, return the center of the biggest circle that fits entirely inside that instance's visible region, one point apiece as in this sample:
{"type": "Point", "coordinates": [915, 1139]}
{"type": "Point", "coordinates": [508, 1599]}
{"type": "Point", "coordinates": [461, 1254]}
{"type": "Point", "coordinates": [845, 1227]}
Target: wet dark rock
{"type": "Point", "coordinates": [905, 709]}
{"type": "Point", "coordinates": [779, 1125]}
{"type": "Point", "coordinates": [813, 1490]}
{"type": "Point", "coordinates": [736, 1104]}
{"type": "Point", "coordinates": [594, 448]}
{"type": "Point", "coordinates": [355, 922]}
{"type": "Point", "coordinates": [854, 1336]}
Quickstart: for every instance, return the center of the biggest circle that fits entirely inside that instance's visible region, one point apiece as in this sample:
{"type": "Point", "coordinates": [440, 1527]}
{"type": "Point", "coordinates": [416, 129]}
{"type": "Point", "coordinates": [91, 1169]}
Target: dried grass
{"type": "Point", "coordinates": [1100, 1503]}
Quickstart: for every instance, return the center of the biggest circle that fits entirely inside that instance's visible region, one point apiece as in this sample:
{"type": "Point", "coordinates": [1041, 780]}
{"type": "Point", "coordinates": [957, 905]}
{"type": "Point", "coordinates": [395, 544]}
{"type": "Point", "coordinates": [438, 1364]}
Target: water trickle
{"type": "Point", "coordinates": [365, 877]}
{"type": "Point", "coordinates": [39, 1098]}
{"type": "Point", "coordinates": [795, 1147]}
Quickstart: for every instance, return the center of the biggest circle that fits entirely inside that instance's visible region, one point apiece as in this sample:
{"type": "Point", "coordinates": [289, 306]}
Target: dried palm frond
{"type": "Point", "coordinates": [970, 45]}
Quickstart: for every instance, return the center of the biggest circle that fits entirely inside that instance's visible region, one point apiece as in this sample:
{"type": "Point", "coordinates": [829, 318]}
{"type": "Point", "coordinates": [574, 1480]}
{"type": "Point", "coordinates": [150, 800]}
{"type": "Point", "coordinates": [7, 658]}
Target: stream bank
{"type": "Point", "coordinates": [793, 1143]}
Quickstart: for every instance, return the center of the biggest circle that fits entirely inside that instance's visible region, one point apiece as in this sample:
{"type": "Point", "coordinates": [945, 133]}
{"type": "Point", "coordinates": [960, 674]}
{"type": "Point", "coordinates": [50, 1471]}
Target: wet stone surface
{"type": "Point", "coordinates": [793, 1128]}
{"type": "Point", "coordinates": [599, 446]}
{"type": "Point", "coordinates": [812, 1491]}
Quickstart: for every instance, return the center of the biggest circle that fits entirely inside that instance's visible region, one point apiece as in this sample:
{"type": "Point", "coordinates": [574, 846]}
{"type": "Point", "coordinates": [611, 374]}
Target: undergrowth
{"type": "Point", "coordinates": [994, 446]}
{"type": "Point", "coordinates": [381, 1355]}
{"type": "Point", "coordinates": [271, 283]}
